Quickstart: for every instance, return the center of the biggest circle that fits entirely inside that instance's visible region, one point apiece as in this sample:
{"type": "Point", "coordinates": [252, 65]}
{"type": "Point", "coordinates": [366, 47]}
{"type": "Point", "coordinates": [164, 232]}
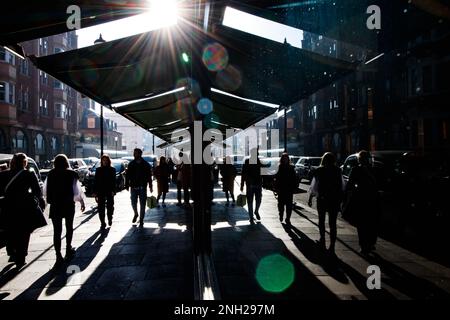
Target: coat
{"type": "Point", "coordinates": [18, 200]}
{"type": "Point", "coordinates": [162, 173]}
{"type": "Point", "coordinates": [60, 192]}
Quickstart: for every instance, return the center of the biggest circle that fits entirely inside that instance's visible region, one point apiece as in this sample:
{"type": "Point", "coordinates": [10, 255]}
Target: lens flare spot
{"type": "Point", "coordinates": [229, 79]}
{"type": "Point", "coordinates": [205, 106]}
{"type": "Point", "coordinates": [275, 273]}
{"type": "Point", "coordinates": [215, 57]}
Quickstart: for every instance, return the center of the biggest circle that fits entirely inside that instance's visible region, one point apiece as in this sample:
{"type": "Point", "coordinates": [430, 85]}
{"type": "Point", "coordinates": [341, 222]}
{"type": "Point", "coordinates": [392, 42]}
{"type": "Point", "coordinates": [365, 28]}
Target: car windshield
{"type": "Point", "coordinates": [315, 161]}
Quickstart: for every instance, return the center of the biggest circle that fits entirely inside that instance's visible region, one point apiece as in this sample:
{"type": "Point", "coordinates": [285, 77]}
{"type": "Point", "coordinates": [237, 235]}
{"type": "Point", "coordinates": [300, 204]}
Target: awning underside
{"type": "Point", "coordinates": [147, 66]}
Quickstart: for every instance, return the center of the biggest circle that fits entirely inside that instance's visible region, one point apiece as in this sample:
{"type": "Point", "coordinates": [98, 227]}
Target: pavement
{"type": "Point", "coordinates": [266, 261]}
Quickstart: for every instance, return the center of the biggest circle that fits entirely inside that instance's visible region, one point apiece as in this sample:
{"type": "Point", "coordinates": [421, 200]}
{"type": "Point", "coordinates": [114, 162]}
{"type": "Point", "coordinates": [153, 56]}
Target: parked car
{"type": "Point", "coordinates": [119, 164]}
{"type": "Point", "coordinates": [305, 166]}
{"type": "Point", "coordinates": [79, 166]}
{"type": "Point", "coordinates": [91, 161]}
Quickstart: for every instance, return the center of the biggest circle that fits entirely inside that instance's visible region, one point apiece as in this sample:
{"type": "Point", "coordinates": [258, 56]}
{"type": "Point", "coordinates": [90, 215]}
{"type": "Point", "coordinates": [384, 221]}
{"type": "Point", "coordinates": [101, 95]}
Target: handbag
{"type": "Point", "coordinates": [241, 200]}
{"type": "Point", "coordinates": [36, 217]}
{"type": "Point", "coordinates": [151, 202]}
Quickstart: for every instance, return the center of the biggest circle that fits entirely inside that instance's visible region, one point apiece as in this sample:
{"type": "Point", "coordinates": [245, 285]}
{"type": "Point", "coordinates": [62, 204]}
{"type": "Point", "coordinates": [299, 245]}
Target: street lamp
{"type": "Point", "coordinates": [101, 40]}
{"type": "Point", "coordinates": [115, 139]}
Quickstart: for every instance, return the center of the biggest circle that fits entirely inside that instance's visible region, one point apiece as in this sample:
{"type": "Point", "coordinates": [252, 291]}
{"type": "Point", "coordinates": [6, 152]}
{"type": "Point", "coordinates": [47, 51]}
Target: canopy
{"type": "Point", "coordinates": [196, 65]}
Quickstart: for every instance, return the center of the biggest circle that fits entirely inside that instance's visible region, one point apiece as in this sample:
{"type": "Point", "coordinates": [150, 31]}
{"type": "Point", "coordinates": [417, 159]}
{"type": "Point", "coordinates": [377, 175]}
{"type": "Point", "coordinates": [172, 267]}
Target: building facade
{"type": "Point", "coordinates": [39, 115]}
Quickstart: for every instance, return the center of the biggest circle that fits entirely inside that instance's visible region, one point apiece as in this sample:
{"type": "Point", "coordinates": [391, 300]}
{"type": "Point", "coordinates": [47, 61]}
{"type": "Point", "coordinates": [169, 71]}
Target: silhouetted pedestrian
{"type": "Point", "coordinates": [62, 189]}
{"type": "Point", "coordinates": [19, 187]}
{"type": "Point", "coordinates": [183, 174]}
{"type": "Point", "coordinates": [162, 177]}
{"type": "Point", "coordinates": [105, 189]}
{"type": "Point", "coordinates": [285, 185]}
{"type": "Point", "coordinates": [251, 177]}
{"type": "Point", "coordinates": [171, 165]}
{"type": "Point", "coordinates": [327, 186]}
{"type": "Point", "coordinates": [228, 173]}
{"type": "Point", "coordinates": [138, 176]}
{"type": "Point", "coordinates": [362, 186]}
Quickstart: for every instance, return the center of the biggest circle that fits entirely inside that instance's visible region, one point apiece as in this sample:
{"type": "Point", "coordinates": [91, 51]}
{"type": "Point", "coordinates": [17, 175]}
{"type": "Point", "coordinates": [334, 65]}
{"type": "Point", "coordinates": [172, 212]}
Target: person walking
{"type": "Point", "coordinates": [183, 175]}
{"type": "Point", "coordinates": [251, 178]}
{"type": "Point", "coordinates": [363, 196]}
{"type": "Point", "coordinates": [327, 187]}
{"type": "Point", "coordinates": [18, 187]}
{"type": "Point", "coordinates": [171, 165]}
{"type": "Point", "coordinates": [62, 189]}
{"type": "Point", "coordinates": [228, 173]}
{"type": "Point", "coordinates": [285, 184]}
{"type": "Point", "coordinates": [105, 189]}
{"type": "Point", "coordinates": [138, 176]}
{"type": "Point", "coordinates": [162, 174]}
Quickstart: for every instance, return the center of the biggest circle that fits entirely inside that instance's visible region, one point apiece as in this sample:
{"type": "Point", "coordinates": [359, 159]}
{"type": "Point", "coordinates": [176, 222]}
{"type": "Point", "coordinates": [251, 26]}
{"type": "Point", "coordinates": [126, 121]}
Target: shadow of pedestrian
{"type": "Point", "coordinates": [406, 282]}
{"type": "Point", "coordinates": [7, 274]}
{"type": "Point", "coordinates": [311, 250]}
{"type": "Point", "coordinates": [54, 280]}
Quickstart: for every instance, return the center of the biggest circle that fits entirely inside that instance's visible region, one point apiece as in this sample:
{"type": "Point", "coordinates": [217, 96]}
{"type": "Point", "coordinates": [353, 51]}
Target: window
{"type": "Point", "coordinates": [7, 92]}
{"type": "Point", "coordinates": [43, 46]}
{"type": "Point", "coordinates": [2, 91]}
{"type": "Point", "coordinates": [24, 67]}
{"type": "Point", "coordinates": [58, 50]}
{"type": "Point", "coordinates": [43, 107]}
{"type": "Point", "coordinates": [25, 99]}
{"type": "Point", "coordinates": [60, 110]}
{"type": "Point", "coordinates": [58, 84]}
{"type": "Point", "coordinates": [43, 76]}
{"type": "Point", "coordinates": [12, 93]}
{"type": "Point", "coordinates": [91, 123]}
{"type": "Point", "coordinates": [20, 141]}
{"type": "Point", "coordinates": [39, 144]}
{"type": "Point", "coordinates": [7, 56]}
{"type": "Point", "coordinates": [54, 144]}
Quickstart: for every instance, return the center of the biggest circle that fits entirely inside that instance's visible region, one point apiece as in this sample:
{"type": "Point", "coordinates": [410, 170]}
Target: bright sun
{"type": "Point", "coordinates": [163, 12]}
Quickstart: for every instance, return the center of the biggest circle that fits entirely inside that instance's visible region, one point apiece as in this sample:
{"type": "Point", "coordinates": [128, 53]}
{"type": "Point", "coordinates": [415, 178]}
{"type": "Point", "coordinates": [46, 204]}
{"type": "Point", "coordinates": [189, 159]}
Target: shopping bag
{"type": "Point", "coordinates": [241, 200]}
{"type": "Point", "coordinates": [151, 202]}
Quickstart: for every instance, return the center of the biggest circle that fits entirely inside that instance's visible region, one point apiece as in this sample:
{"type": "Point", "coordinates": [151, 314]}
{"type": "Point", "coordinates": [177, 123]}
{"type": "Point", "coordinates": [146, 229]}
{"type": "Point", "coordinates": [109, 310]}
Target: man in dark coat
{"type": "Point", "coordinates": [138, 176]}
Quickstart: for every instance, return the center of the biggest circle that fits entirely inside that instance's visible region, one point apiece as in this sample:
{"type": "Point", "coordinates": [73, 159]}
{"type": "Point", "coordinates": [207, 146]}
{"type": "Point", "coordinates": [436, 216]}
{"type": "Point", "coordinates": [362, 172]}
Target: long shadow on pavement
{"type": "Point", "coordinates": [405, 282]}
{"type": "Point", "coordinates": [153, 262]}
{"type": "Point", "coordinates": [240, 251]}
{"type": "Point", "coordinates": [54, 280]}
